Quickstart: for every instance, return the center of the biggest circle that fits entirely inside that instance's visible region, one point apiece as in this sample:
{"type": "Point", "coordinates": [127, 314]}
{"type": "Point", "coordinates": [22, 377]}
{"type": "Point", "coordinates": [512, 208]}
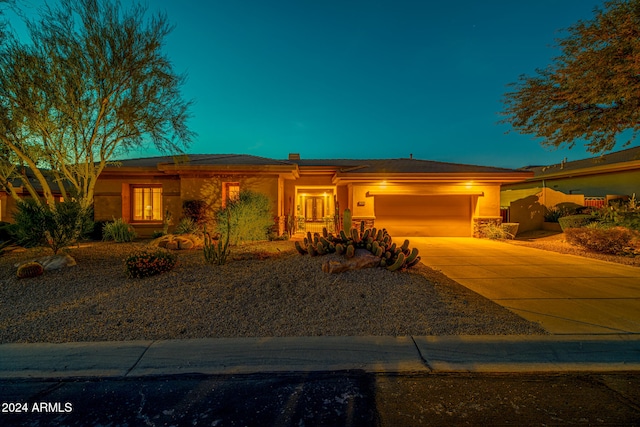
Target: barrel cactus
{"type": "Point", "coordinates": [30, 269]}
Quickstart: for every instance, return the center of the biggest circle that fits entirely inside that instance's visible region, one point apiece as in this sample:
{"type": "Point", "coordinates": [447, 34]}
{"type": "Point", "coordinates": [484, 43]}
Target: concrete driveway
{"type": "Point", "coordinates": [565, 294]}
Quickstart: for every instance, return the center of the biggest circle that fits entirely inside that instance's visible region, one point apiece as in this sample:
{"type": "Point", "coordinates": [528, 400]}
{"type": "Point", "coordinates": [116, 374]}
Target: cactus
{"type": "Point", "coordinates": [300, 249]}
{"type": "Point", "coordinates": [398, 264]}
{"type": "Point", "coordinates": [312, 250]}
{"type": "Point", "coordinates": [361, 227]}
{"type": "Point", "coordinates": [346, 220]}
{"type": "Point", "coordinates": [378, 242]}
{"type": "Point", "coordinates": [414, 262]}
{"type": "Point", "coordinates": [355, 235]}
{"type": "Point", "coordinates": [30, 269]}
{"type": "Point", "coordinates": [218, 254]}
{"type": "Point", "coordinates": [351, 251]}
{"type": "Point", "coordinates": [413, 255]}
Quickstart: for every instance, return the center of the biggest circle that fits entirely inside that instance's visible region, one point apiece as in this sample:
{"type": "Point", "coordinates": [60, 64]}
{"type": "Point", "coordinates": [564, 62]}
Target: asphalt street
{"type": "Point", "coordinates": [343, 398]}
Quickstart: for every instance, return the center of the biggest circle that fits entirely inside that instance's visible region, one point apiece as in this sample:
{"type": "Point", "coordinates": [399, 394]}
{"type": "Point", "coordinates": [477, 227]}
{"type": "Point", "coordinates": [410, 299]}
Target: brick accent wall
{"type": "Point", "coordinates": [368, 222]}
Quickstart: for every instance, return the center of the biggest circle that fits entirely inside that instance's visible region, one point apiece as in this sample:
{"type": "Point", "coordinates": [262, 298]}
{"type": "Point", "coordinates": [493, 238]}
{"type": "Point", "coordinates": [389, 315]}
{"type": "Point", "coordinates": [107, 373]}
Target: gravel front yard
{"type": "Point", "coordinates": [266, 290]}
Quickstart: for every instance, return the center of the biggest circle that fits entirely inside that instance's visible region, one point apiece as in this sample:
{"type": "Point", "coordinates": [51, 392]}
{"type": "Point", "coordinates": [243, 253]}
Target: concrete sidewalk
{"type": "Point", "coordinates": [425, 354]}
{"type": "Point", "coordinates": [565, 294]}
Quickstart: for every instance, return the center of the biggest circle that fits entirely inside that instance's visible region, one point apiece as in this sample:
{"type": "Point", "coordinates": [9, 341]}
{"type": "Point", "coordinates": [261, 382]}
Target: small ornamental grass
{"type": "Point", "coordinates": [149, 261]}
{"type": "Point", "coordinates": [119, 231]}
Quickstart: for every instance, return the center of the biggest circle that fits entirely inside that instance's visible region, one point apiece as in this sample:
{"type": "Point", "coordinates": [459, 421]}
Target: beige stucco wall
{"type": "Point", "coordinates": [111, 199]}
{"type": "Point", "coordinates": [528, 206]}
{"type": "Point", "coordinates": [108, 199]}
{"type": "Point", "coordinates": [209, 188]}
{"type": "Point", "coordinates": [600, 185]}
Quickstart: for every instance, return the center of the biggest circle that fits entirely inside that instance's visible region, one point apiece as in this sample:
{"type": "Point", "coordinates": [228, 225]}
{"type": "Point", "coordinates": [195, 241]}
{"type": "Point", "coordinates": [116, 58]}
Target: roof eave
{"type": "Point", "coordinates": [594, 170]}
{"type": "Point", "coordinates": [499, 177]}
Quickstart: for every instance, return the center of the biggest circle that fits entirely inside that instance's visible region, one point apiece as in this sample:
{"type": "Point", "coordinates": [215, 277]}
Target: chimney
{"type": "Point", "coordinates": [294, 156]}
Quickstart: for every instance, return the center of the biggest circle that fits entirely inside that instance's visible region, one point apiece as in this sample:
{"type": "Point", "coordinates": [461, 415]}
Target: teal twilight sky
{"type": "Point", "coordinates": [364, 78]}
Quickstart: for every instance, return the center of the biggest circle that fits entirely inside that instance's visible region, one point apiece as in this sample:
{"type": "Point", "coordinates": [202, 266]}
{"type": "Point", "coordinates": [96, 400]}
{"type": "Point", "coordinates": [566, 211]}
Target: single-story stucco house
{"type": "Point", "coordinates": [588, 182]}
{"type": "Point", "coordinates": [8, 203]}
{"type": "Point", "coordinates": [407, 196]}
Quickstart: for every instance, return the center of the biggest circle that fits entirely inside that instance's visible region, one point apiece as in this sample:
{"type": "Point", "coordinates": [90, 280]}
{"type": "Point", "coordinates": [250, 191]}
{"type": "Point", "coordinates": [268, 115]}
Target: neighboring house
{"type": "Point", "coordinates": [8, 203]}
{"type": "Point", "coordinates": [409, 197]}
{"type": "Point", "coordinates": [590, 181]}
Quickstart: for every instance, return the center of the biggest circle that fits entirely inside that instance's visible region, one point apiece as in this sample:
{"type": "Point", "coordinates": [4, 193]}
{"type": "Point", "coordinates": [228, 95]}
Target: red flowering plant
{"type": "Point", "coordinates": [149, 261]}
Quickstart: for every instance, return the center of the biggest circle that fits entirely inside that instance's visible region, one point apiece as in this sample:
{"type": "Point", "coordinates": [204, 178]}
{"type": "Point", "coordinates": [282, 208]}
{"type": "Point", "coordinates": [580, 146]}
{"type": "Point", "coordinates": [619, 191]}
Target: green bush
{"type": "Point", "coordinates": [250, 218]}
{"type": "Point", "coordinates": [186, 226]}
{"type": "Point", "coordinates": [623, 213]}
{"type": "Point", "coordinates": [149, 261]}
{"type": "Point", "coordinates": [39, 225]}
{"type": "Point", "coordinates": [575, 221]}
{"type": "Point", "coordinates": [629, 219]}
{"type": "Point", "coordinates": [556, 212]}
{"type": "Point", "coordinates": [118, 231]}
{"type": "Point", "coordinates": [612, 240]}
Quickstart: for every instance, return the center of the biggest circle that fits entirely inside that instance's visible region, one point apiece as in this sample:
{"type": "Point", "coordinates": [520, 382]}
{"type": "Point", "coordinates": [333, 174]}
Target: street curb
{"type": "Point", "coordinates": [383, 354]}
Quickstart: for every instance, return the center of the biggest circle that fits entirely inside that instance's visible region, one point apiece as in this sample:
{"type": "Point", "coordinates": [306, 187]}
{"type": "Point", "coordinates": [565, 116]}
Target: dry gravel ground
{"type": "Point", "coordinates": [267, 289]}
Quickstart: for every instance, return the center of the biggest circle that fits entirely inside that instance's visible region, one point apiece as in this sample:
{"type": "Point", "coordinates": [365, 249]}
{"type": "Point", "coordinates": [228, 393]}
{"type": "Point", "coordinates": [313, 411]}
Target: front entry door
{"type": "Point", "coordinates": [314, 208]}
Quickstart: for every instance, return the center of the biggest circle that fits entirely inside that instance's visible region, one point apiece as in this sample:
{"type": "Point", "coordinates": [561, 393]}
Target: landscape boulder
{"type": "Point", "coordinates": [53, 262]}
{"type": "Point", "coordinates": [361, 259]}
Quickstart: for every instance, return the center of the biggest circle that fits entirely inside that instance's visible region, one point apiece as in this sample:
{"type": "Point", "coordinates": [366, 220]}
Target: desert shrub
{"type": "Point", "coordinates": [556, 212]}
{"type": "Point", "coordinates": [39, 225]}
{"type": "Point", "coordinates": [605, 240]}
{"type": "Point", "coordinates": [118, 231]}
{"type": "Point", "coordinates": [575, 221]}
{"type": "Point", "coordinates": [186, 226]}
{"type": "Point", "coordinates": [623, 213]}
{"type": "Point", "coordinates": [494, 232]}
{"type": "Point", "coordinates": [249, 216]}
{"type": "Point", "coordinates": [197, 210]}
{"type": "Point", "coordinates": [629, 220]}
{"type": "Point", "coordinates": [149, 261]}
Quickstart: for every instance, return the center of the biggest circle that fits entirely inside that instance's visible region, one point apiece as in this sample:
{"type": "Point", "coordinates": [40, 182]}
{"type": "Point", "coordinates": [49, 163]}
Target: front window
{"type": "Point", "coordinates": [147, 203]}
{"type": "Point", "coordinates": [231, 192]}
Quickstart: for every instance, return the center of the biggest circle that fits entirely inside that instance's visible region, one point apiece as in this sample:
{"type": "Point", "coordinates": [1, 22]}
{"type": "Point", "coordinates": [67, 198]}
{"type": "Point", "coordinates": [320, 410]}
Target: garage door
{"type": "Point", "coordinates": [433, 216]}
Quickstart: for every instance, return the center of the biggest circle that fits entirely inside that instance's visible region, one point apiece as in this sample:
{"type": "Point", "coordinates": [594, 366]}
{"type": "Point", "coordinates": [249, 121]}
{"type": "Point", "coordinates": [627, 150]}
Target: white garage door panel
{"type": "Point", "coordinates": [436, 216]}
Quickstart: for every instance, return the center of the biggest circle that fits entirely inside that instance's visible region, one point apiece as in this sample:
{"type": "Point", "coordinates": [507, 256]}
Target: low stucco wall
{"type": "Point", "coordinates": [528, 207]}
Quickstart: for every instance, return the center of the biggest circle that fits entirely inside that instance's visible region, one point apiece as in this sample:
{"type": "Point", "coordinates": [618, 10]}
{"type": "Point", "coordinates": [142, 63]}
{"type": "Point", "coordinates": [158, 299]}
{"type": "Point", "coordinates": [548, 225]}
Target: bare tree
{"type": "Point", "coordinates": [93, 83]}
